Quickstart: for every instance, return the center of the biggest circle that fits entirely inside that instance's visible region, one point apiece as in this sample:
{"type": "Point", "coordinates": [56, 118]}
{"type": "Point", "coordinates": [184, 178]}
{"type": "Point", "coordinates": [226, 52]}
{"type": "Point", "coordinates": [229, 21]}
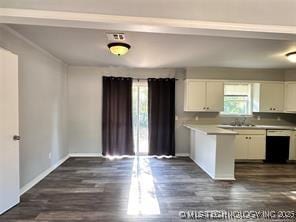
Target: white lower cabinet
{"type": "Point", "coordinates": [257, 147]}
{"type": "Point", "coordinates": [250, 145]}
{"type": "Point", "coordinates": [241, 146]}
{"type": "Point", "coordinates": [292, 153]}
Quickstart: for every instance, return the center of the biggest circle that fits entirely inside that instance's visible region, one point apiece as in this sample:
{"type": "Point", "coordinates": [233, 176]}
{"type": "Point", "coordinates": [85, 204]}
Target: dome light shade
{"type": "Point", "coordinates": [291, 57]}
{"type": "Point", "coordinates": [119, 48]}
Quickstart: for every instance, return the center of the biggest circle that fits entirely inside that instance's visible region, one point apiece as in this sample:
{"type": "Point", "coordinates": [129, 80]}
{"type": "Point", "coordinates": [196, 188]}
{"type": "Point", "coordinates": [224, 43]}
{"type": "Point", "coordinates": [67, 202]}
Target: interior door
{"type": "Point", "coordinates": [9, 128]}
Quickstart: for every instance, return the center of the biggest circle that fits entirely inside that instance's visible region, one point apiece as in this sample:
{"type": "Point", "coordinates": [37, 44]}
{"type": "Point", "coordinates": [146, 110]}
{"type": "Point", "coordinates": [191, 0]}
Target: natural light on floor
{"type": "Point", "coordinates": [291, 195]}
{"type": "Point", "coordinates": [142, 196]}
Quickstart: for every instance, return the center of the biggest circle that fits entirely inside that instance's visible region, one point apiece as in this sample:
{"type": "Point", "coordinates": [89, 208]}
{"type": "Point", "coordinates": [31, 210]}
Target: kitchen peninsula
{"type": "Point", "coordinates": [212, 149]}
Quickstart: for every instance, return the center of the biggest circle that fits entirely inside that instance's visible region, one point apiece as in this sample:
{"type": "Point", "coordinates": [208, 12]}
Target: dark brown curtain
{"type": "Point", "coordinates": [161, 116]}
{"type": "Point", "coordinates": [117, 116]}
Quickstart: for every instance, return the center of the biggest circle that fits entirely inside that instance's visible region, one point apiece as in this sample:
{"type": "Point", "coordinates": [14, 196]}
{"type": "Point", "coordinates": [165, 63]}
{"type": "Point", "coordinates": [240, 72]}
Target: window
{"type": "Point", "coordinates": [140, 116]}
{"type": "Point", "coordinates": [237, 99]}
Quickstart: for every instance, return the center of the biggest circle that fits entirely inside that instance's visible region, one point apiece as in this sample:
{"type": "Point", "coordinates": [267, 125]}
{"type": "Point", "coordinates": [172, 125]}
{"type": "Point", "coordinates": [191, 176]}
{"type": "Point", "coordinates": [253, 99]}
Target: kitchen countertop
{"type": "Point", "coordinates": [210, 129]}
{"type": "Point", "coordinates": [279, 127]}
{"type": "Point", "coordinates": [225, 129]}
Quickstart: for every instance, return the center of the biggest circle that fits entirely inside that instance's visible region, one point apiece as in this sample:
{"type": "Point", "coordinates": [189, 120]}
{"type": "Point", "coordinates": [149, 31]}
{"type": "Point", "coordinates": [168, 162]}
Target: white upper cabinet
{"type": "Point", "coordinates": [290, 96]}
{"type": "Point", "coordinates": [203, 96]}
{"type": "Point", "coordinates": [215, 96]}
{"type": "Point", "coordinates": [268, 97]}
{"type": "Point", "coordinates": [195, 95]}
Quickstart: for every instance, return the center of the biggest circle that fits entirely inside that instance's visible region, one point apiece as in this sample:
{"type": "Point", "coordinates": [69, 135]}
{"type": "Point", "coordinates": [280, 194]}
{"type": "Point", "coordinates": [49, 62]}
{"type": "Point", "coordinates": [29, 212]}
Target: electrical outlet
{"type": "Point", "coordinates": [258, 118]}
{"type": "Point", "coordinates": [49, 155]}
{"type": "Point", "coordinates": [176, 118]}
{"type": "Point", "coordinates": [196, 118]}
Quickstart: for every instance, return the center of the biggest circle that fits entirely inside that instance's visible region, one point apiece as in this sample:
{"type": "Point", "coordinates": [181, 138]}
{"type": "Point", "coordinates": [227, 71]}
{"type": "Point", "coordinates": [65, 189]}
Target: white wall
{"type": "Point", "coordinates": [42, 102]}
{"type": "Point", "coordinates": [85, 104]}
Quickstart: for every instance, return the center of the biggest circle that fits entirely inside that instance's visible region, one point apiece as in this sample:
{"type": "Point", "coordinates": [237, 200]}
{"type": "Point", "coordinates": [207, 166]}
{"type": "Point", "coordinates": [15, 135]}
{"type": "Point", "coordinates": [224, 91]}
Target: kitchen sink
{"type": "Point", "coordinates": [237, 126]}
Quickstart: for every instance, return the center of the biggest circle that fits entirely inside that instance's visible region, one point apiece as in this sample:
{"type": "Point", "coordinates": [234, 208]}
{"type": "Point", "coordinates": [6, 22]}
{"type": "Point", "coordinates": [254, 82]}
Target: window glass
{"type": "Point", "coordinates": [237, 99]}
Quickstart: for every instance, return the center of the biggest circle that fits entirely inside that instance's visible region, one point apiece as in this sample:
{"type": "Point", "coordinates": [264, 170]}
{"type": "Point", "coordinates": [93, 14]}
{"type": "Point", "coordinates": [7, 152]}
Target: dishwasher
{"type": "Point", "coordinates": [277, 146]}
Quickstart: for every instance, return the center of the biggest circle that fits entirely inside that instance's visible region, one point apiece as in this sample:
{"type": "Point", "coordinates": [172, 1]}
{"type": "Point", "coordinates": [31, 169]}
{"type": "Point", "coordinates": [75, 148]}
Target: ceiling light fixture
{"type": "Point", "coordinates": [119, 48]}
{"type": "Point", "coordinates": [291, 56]}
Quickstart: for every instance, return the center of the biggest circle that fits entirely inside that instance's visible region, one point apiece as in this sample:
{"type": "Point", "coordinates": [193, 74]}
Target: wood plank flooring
{"type": "Point", "coordinates": [150, 189]}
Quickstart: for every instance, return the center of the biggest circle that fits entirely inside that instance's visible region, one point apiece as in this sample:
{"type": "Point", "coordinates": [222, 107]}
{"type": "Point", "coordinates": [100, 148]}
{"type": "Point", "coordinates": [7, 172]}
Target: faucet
{"type": "Point", "coordinates": [243, 123]}
{"type": "Point", "coordinates": [236, 122]}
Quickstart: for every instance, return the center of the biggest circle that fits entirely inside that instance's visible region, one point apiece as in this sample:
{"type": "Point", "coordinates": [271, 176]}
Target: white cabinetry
{"type": "Point", "coordinates": [292, 152]}
{"type": "Point", "coordinates": [257, 145]}
{"type": "Point", "coordinates": [268, 97]}
{"type": "Point", "coordinates": [203, 96]}
{"type": "Point", "coordinates": [250, 144]}
{"type": "Point", "coordinates": [290, 96]}
{"type": "Point", "coordinates": [241, 147]}
{"type": "Point", "coordinates": [195, 95]}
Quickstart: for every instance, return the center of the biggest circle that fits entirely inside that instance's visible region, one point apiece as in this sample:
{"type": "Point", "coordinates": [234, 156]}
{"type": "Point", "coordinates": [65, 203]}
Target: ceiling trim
{"type": "Point", "coordinates": [34, 45]}
{"type": "Point", "coordinates": [140, 24]}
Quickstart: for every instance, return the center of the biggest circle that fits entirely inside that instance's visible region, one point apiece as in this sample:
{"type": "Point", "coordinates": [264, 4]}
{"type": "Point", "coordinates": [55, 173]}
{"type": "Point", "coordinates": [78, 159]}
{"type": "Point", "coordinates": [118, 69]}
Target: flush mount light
{"type": "Point", "coordinates": [291, 56]}
{"type": "Point", "coordinates": [119, 48]}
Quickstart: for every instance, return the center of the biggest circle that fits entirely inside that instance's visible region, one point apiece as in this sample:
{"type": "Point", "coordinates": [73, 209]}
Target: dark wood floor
{"type": "Point", "coordinates": [97, 189]}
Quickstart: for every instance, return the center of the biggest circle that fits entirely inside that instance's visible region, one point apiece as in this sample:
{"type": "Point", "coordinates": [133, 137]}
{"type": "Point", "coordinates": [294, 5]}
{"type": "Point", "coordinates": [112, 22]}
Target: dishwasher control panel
{"type": "Point", "coordinates": [279, 132]}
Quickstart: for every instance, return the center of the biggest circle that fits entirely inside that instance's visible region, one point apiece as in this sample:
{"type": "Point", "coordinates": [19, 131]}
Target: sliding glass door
{"type": "Point", "coordinates": [140, 117]}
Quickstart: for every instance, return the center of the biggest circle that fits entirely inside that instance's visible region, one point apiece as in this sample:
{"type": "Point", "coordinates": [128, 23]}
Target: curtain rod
{"type": "Point", "coordinates": [152, 78]}
{"type": "Point", "coordinates": [140, 78]}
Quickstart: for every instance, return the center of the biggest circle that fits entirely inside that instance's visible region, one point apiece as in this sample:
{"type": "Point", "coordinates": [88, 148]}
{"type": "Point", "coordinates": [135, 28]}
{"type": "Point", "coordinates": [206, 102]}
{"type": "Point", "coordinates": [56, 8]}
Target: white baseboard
{"type": "Point", "coordinates": [224, 178]}
{"type": "Point", "coordinates": [85, 155]}
{"type": "Point", "coordinates": [182, 154]}
{"type": "Point", "coordinates": [100, 155]}
{"type": "Point", "coordinates": [41, 176]}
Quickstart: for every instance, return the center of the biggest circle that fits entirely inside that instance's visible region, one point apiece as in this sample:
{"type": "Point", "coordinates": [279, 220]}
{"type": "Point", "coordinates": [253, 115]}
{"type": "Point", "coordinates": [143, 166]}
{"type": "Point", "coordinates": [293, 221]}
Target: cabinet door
{"type": "Point", "coordinates": [256, 149]}
{"type": "Point", "coordinates": [215, 96]}
{"type": "Point", "coordinates": [292, 153]}
{"type": "Point", "coordinates": [290, 95]}
{"type": "Point", "coordinates": [271, 97]}
{"type": "Point", "coordinates": [241, 147]}
{"type": "Point", "coordinates": [195, 95]}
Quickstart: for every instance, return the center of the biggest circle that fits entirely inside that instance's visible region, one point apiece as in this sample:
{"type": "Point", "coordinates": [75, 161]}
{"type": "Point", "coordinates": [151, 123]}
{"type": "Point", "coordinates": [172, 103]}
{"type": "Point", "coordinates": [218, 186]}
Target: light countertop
{"type": "Point", "coordinates": [228, 129]}
{"type": "Point", "coordinates": [279, 127]}
{"type": "Point", "coordinates": [210, 129]}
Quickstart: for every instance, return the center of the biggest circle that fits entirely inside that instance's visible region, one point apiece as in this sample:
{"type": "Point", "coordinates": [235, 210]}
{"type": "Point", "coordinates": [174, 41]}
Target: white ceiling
{"type": "Point", "coordinates": [272, 12]}
{"type": "Point", "coordinates": [88, 47]}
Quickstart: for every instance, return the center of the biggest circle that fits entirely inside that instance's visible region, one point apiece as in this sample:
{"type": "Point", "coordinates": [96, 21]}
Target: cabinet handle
{"type": "Point", "coordinates": [250, 137]}
{"type": "Point", "coordinates": [204, 108]}
{"type": "Point", "coordinates": [246, 137]}
{"type": "Point", "coordinates": [208, 107]}
{"type": "Point", "coordinates": [270, 108]}
{"type": "Point", "coordinates": [16, 137]}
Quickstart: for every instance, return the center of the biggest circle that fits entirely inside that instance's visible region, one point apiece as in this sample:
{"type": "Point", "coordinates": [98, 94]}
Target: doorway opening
{"type": "Point", "coordinates": [140, 117]}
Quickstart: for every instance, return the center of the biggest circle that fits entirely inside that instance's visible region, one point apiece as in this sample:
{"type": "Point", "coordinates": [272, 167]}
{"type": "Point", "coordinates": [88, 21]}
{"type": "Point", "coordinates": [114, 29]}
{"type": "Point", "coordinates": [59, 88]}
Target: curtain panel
{"type": "Point", "coordinates": [161, 116]}
{"type": "Point", "coordinates": [117, 129]}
